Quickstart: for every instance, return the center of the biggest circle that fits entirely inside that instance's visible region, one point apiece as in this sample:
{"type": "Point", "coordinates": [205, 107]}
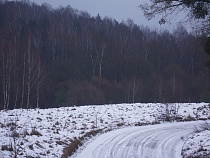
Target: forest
{"type": "Point", "coordinates": [64, 57]}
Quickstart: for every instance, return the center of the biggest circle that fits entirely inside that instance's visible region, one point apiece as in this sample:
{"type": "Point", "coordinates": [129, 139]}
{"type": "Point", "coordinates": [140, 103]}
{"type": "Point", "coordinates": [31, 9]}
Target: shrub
{"type": "Point", "coordinates": [31, 147]}
{"type": "Point", "coordinates": [6, 148]}
{"type": "Point", "coordinates": [120, 124]}
{"type": "Point", "coordinates": [91, 133]}
{"type": "Point", "coordinates": [60, 143]}
{"type": "Point", "coordinates": [35, 132]}
{"type": "Point", "coordinates": [205, 126]}
{"type": "Point", "coordinates": [15, 134]}
{"type": "Point", "coordinates": [189, 118]}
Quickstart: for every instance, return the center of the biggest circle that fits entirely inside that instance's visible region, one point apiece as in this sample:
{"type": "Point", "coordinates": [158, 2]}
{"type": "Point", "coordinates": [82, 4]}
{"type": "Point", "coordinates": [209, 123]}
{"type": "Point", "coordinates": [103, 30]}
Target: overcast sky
{"type": "Point", "coordinates": [117, 9]}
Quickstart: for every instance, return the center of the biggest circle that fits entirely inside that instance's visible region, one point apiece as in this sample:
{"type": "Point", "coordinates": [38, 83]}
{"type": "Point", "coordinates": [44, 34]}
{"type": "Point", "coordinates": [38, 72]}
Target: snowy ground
{"type": "Point", "coordinates": [46, 132]}
{"type": "Point", "coordinates": [198, 144]}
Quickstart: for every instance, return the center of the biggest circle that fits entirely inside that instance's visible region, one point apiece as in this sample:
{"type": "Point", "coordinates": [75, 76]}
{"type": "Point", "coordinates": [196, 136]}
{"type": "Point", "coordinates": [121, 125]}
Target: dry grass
{"type": "Point", "coordinates": [71, 148]}
{"type": "Point", "coordinates": [76, 143]}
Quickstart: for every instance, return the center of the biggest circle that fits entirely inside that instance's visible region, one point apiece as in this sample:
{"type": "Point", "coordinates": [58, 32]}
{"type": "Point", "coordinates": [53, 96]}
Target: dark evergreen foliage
{"type": "Point", "coordinates": [196, 11]}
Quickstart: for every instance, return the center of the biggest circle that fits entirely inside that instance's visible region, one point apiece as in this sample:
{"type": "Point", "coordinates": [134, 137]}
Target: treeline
{"type": "Point", "coordinates": [64, 57]}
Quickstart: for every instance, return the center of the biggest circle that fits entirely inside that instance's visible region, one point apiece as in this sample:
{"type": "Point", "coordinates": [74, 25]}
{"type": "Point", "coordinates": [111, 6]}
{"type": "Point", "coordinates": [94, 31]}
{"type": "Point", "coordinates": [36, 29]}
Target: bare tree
{"type": "Point", "coordinates": [100, 53]}
{"type": "Point", "coordinates": [134, 89]}
{"type": "Point", "coordinates": [7, 58]}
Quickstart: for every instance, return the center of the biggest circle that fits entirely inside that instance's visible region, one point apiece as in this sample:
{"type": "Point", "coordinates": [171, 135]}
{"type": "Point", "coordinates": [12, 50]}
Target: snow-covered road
{"type": "Point", "coordinates": [156, 141]}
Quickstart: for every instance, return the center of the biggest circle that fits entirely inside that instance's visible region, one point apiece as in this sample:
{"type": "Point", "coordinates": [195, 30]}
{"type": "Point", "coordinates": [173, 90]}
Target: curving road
{"type": "Point", "coordinates": [157, 141]}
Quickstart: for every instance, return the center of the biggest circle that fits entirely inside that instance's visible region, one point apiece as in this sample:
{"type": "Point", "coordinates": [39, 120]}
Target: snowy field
{"type": "Point", "coordinates": [46, 132]}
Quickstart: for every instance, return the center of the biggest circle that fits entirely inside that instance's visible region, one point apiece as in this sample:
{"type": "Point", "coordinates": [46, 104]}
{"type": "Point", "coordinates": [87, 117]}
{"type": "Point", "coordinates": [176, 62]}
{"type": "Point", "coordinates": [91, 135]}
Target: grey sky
{"type": "Point", "coordinates": [117, 9]}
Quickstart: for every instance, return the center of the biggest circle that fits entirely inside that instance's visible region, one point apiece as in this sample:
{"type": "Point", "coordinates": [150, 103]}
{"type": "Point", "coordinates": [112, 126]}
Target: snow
{"type": "Point", "coordinates": [46, 132]}
{"type": "Point", "coordinates": [162, 141]}
{"type": "Point", "coordinates": [197, 145]}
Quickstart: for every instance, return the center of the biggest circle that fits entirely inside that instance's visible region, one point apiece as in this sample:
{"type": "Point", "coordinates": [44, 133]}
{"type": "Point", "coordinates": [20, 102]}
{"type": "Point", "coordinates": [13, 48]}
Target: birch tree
{"type": "Point", "coordinates": [7, 60]}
